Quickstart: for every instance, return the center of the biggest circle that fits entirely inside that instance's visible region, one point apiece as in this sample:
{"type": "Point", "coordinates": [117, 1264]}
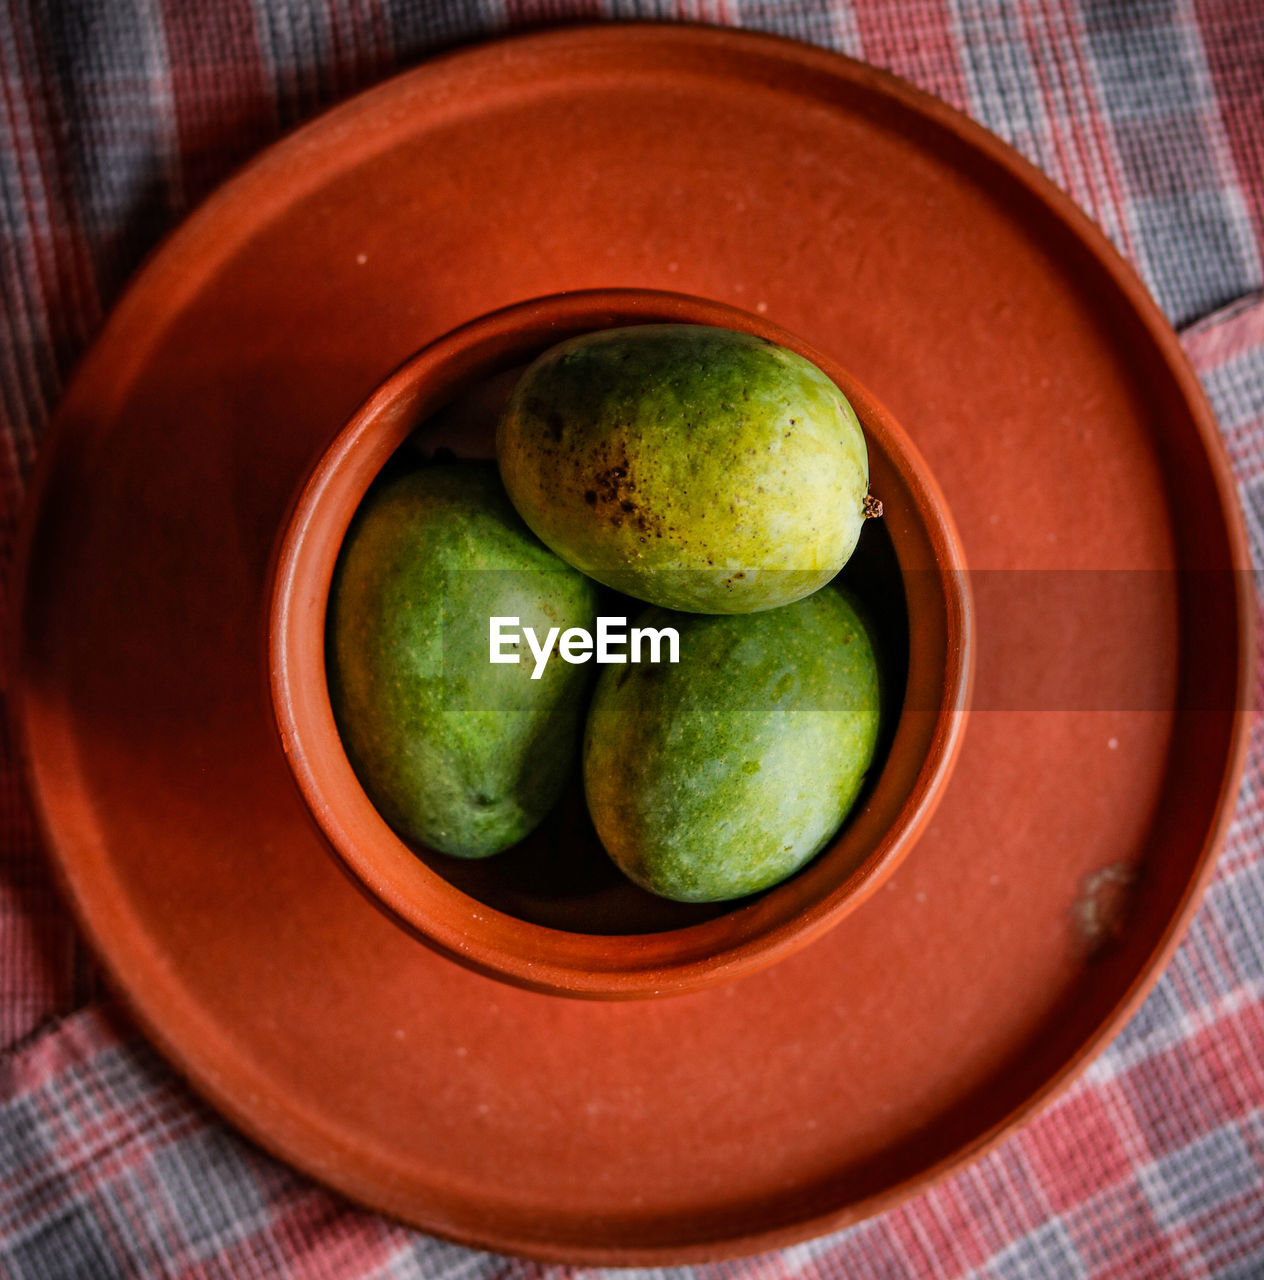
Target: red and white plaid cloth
{"type": "Point", "coordinates": [117, 115]}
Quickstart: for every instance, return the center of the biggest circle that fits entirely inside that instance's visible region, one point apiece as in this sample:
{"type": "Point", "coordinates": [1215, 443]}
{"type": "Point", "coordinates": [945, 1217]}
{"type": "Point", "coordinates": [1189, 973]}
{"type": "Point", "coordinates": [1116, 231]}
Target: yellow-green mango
{"type": "Point", "coordinates": [726, 772]}
{"type": "Point", "coordinates": [456, 752]}
{"type": "Point", "coordinates": [693, 467]}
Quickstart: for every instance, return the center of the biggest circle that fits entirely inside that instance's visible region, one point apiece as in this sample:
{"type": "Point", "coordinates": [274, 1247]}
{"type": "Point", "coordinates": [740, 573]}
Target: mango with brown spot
{"type": "Point", "coordinates": [697, 468]}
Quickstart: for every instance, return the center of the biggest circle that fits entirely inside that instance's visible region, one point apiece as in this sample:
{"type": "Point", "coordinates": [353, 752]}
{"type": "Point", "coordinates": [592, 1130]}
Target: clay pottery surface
{"type": "Point", "coordinates": [1112, 623]}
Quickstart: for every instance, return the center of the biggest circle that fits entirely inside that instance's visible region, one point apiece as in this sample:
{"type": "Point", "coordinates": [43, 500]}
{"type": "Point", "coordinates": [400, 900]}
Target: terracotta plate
{"type": "Point", "coordinates": [1097, 771]}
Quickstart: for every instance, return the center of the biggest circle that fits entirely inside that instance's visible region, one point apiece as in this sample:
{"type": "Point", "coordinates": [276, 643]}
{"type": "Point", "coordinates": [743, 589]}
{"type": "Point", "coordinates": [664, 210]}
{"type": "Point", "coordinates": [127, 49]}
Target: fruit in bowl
{"type": "Point", "coordinates": [722, 775]}
{"type": "Point", "coordinates": [457, 753]}
{"type": "Point", "coordinates": [690, 466]}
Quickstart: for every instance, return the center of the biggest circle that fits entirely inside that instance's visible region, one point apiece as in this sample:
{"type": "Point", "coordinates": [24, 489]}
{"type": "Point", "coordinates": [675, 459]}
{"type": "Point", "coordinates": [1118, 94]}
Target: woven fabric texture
{"type": "Point", "coordinates": [117, 117]}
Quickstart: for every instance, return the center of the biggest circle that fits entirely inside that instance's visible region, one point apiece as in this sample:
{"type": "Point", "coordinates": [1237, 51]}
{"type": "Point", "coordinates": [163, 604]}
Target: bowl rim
{"type": "Point", "coordinates": [381, 864]}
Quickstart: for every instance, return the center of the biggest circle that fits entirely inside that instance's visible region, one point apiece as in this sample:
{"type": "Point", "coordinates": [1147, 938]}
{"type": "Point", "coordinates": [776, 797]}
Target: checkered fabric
{"type": "Point", "coordinates": [117, 115]}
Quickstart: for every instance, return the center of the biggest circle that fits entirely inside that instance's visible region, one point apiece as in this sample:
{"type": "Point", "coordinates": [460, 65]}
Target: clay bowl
{"type": "Point", "coordinates": [554, 914]}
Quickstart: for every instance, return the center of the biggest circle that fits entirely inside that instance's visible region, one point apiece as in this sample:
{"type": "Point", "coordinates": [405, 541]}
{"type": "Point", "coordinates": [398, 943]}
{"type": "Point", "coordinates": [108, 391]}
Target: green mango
{"type": "Point", "coordinates": [456, 752]}
{"type": "Point", "coordinates": [692, 467]}
{"type": "Point", "coordinates": [724, 773]}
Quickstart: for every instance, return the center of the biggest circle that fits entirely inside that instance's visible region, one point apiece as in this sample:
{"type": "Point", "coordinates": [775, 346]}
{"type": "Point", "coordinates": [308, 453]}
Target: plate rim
{"type": "Point", "coordinates": [225, 202]}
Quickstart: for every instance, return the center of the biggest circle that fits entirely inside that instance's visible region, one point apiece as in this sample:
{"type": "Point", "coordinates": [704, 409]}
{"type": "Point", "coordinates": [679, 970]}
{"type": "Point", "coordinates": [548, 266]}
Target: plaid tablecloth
{"type": "Point", "coordinates": [117, 115]}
